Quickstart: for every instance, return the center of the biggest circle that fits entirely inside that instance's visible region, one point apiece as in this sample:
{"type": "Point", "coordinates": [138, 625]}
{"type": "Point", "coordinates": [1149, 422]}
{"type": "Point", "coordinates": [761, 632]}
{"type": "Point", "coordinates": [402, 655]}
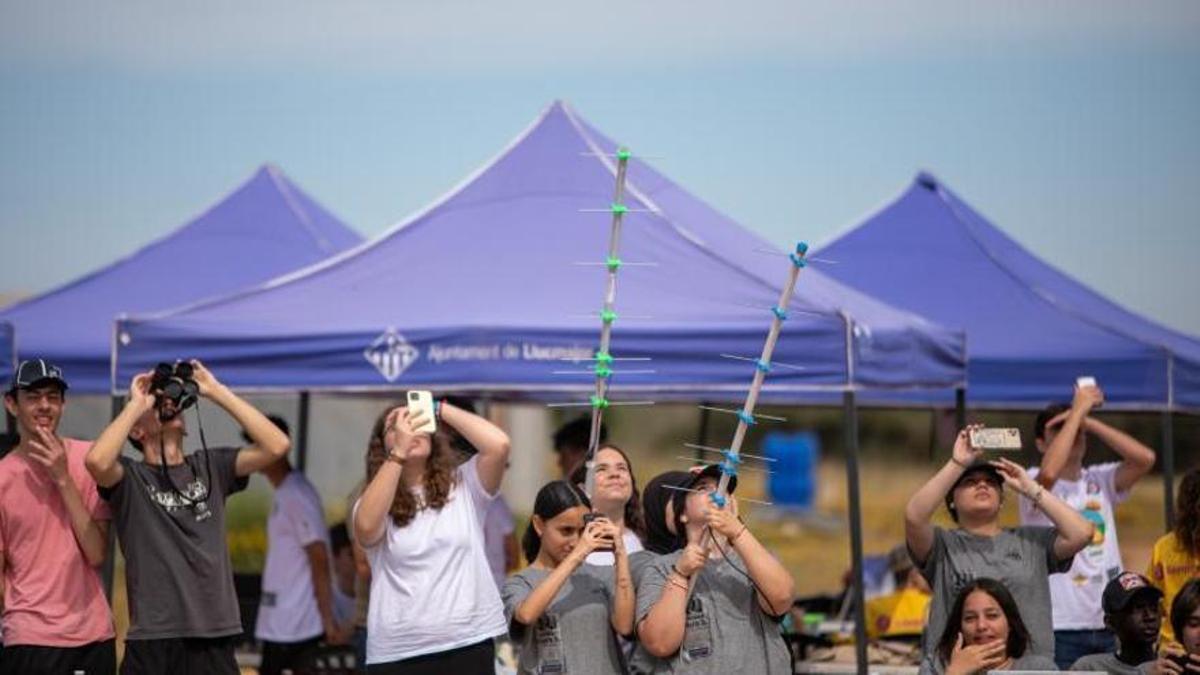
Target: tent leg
{"type": "Point", "coordinates": [108, 569]}
{"type": "Point", "coordinates": [302, 433]}
{"type": "Point", "coordinates": [702, 433]}
{"type": "Point", "coordinates": [850, 412]}
{"type": "Point", "coordinates": [960, 408]}
{"type": "Point", "coordinates": [1168, 467]}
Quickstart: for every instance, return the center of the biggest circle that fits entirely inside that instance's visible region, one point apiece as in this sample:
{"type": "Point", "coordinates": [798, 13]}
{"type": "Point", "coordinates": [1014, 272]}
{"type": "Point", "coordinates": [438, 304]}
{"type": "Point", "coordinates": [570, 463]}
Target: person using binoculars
{"type": "Point", "coordinates": [169, 511]}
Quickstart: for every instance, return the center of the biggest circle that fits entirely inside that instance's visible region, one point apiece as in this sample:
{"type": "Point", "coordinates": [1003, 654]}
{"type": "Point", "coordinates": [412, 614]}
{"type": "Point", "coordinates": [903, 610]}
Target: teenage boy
{"type": "Point", "coordinates": [1060, 434]}
{"type": "Point", "coordinates": [53, 536]}
{"type": "Point", "coordinates": [1132, 613]}
{"type": "Point", "coordinates": [169, 510]}
{"type": "Point", "coordinates": [297, 609]}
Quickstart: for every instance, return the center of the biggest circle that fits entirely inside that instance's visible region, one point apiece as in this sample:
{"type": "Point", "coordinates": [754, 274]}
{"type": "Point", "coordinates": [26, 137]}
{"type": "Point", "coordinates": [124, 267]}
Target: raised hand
{"type": "Point", "coordinates": [976, 658]}
{"type": "Point", "coordinates": [964, 453]}
{"type": "Point", "coordinates": [205, 380]}
{"type": "Point", "coordinates": [1087, 398]}
{"type": "Point", "coordinates": [1015, 476]}
{"type": "Point", "coordinates": [691, 560]}
{"type": "Point", "coordinates": [723, 520]}
{"type": "Point", "coordinates": [47, 450]}
{"type": "Point", "coordinates": [598, 535]}
{"type": "Point", "coordinates": [139, 392]}
{"type": "Point", "coordinates": [399, 432]}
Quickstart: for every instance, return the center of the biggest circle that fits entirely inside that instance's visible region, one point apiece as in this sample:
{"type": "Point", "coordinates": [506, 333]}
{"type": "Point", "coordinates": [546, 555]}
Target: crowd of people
{"type": "Point", "coordinates": [424, 576]}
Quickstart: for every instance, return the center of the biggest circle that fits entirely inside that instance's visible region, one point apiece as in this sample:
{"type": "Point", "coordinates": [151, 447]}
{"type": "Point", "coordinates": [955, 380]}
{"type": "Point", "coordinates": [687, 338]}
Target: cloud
{"type": "Point", "coordinates": [433, 36]}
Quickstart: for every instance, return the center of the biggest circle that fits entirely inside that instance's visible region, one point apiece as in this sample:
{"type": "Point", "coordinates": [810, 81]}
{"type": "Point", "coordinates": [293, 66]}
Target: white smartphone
{"type": "Point", "coordinates": [1085, 381]}
{"type": "Point", "coordinates": [996, 439]}
{"type": "Point", "coordinates": [422, 401]}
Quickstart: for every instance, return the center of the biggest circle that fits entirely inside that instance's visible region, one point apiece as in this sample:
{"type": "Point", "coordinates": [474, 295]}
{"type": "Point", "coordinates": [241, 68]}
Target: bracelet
{"type": "Point", "coordinates": [955, 460]}
{"type": "Point", "coordinates": [681, 574]}
{"type": "Point", "coordinates": [677, 583]}
{"type": "Point", "coordinates": [393, 457]}
{"type": "Point", "coordinates": [1036, 497]}
{"type": "Point", "coordinates": [739, 534]}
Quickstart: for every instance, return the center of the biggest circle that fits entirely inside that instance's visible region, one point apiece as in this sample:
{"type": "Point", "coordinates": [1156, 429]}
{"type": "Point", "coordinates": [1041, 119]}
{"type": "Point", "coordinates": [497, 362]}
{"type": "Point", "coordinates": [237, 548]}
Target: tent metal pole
{"type": "Point", "coordinates": [302, 433]}
{"type": "Point", "coordinates": [850, 413]}
{"type": "Point", "coordinates": [1168, 468]}
{"type": "Point", "coordinates": [960, 408]}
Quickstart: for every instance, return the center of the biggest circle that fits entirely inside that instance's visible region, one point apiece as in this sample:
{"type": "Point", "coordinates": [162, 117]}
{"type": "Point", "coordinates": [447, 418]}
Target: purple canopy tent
{"type": "Point", "coordinates": [1032, 328]}
{"type": "Point", "coordinates": [264, 228]}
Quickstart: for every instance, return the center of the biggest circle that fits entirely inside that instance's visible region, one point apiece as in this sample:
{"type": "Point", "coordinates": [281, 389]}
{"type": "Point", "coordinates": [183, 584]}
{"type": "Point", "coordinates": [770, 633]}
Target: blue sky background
{"type": "Point", "coordinates": [1075, 126]}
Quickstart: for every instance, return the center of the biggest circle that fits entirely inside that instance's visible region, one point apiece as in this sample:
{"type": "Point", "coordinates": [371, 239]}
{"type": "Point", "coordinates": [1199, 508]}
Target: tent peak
{"type": "Point", "coordinates": [926, 180]}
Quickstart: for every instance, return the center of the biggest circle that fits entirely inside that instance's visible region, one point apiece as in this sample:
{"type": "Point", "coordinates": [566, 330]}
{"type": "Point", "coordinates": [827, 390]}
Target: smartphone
{"type": "Point", "coordinates": [420, 400]}
{"type": "Point", "coordinates": [996, 439]}
{"type": "Point", "coordinates": [1085, 381]}
{"type": "Point", "coordinates": [587, 520]}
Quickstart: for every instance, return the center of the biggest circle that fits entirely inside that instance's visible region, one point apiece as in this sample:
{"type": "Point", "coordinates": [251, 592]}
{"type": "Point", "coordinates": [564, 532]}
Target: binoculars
{"type": "Point", "coordinates": [174, 389]}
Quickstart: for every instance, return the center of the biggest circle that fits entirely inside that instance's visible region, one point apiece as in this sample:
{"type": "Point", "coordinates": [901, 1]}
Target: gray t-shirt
{"type": "Point", "coordinates": [1021, 558]}
{"type": "Point", "coordinates": [1109, 663]}
{"type": "Point", "coordinates": [575, 634]}
{"type": "Point", "coordinates": [177, 568]}
{"type": "Point", "coordinates": [726, 629]}
{"type": "Point", "coordinates": [641, 662]}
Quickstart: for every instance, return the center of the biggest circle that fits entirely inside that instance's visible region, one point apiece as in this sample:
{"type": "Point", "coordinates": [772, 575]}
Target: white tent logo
{"type": "Point", "coordinates": [391, 354]}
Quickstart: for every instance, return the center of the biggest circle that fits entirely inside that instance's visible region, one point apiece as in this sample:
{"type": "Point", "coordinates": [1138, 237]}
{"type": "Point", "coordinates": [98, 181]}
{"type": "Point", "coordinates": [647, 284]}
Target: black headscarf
{"type": "Point", "coordinates": [655, 497]}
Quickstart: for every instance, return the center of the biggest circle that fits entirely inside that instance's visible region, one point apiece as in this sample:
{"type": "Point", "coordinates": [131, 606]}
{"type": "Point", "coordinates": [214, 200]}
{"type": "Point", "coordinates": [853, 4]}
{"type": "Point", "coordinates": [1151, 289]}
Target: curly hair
{"type": "Point", "coordinates": [635, 520]}
{"type": "Point", "coordinates": [1187, 512]}
{"type": "Point", "coordinates": [441, 473]}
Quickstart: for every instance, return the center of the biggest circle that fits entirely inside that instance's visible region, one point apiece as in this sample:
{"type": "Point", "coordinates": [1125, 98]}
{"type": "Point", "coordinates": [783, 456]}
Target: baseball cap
{"type": "Point", "coordinates": [1122, 589]}
{"type": "Point", "coordinates": [711, 471]}
{"type": "Point", "coordinates": [978, 466]}
{"type": "Point", "coordinates": [33, 372]}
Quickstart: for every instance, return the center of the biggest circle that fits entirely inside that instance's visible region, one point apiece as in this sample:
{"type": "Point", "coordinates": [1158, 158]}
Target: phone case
{"type": "Point", "coordinates": [423, 401]}
{"type": "Point", "coordinates": [996, 439]}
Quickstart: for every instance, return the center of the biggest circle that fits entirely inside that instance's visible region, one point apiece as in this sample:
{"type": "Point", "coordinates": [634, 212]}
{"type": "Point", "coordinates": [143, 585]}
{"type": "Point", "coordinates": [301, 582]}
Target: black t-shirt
{"type": "Point", "coordinates": [177, 569]}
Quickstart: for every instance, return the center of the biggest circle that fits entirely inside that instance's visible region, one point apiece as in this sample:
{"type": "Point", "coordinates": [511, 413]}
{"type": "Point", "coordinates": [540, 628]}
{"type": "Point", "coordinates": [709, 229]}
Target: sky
{"type": "Point", "coordinates": [1074, 126]}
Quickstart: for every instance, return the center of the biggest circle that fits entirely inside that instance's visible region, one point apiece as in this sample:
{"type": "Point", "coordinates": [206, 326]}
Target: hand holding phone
{"type": "Point", "coordinates": [422, 401]}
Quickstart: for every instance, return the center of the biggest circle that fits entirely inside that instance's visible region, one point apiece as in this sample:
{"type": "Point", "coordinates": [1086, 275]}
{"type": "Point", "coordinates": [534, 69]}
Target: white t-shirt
{"type": "Point", "coordinates": [497, 525]}
{"type": "Point", "coordinates": [431, 587]}
{"type": "Point", "coordinates": [1075, 594]}
{"type": "Point", "coordinates": [606, 558]}
{"type": "Point", "coordinates": [288, 612]}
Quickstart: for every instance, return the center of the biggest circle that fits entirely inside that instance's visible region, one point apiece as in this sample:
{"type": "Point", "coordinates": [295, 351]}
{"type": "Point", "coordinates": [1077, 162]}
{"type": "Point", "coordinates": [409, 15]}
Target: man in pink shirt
{"type": "Point", "coordinates": [53, 537]}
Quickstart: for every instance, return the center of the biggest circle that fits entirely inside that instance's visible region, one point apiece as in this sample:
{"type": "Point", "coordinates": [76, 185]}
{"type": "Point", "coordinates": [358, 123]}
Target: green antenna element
{"type": "Point", "coordinates": [613, 264]}
{"type": "Point", "coordinates": [604, 358]}
{"type": "Point", "coordinates": [623, 155]}
{"type": "Point", "coordinates": [619, 209]}
{"type": "Point", "coordinates": [603, 371]}
{"type": "Point", "coordinates": [599, 402]}
{"type": "Point", "coordinates": [608, 316]}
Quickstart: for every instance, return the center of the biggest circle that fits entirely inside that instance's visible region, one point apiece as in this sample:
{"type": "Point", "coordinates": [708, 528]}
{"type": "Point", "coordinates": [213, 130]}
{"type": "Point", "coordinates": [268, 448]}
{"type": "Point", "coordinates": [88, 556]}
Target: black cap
{"type": "Point", "coordinates": [711, 471]}
{"type": "Point", "coordinates": [1123, 588]}
{"type": "Point", "coordinates": [34, 372]}
{"type": "Point", "coordinates": [978, 466]}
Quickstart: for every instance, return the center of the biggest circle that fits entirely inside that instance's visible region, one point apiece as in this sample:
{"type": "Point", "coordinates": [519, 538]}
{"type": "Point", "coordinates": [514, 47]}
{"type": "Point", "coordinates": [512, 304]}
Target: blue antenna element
{"type": "Point", "coordinates": [746, 418]}
{"type": "Point", "coordinates": [762, 366]}
{"type": "Point", "coordinates": [718, 498]}
{"type": "Point", "coordinates": [780, 313]}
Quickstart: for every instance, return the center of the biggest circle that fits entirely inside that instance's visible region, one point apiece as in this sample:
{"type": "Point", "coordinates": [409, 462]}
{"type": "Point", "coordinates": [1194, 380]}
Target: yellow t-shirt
{"type": "Point", "coordinates": [1170, 568]}
{"type": "Point", "coordinates": [900, 614]}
